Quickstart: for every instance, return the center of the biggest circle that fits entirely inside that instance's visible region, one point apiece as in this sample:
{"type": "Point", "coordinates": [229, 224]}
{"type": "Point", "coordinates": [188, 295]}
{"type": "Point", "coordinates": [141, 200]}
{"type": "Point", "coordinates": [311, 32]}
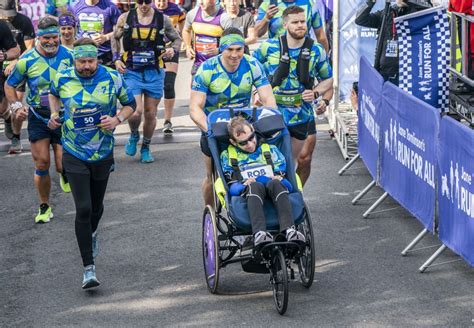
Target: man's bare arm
{"type": "Point", "coordinates": [196, 109]}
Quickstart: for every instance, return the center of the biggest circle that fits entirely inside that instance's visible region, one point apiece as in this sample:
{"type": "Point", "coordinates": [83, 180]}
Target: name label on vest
{"type": "Point", "coordinates": [257, 171]}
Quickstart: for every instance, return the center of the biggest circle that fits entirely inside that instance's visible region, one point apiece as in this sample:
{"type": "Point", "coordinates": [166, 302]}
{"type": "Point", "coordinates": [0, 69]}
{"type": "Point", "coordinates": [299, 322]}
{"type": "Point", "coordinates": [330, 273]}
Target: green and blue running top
{"type": "Point", "coordinates": [275, 26]}
{"type": "Point", "coordinates": [225, 89]}
{"type": "Point", "coordinates": [288, 94]}
{"type": "Point", "coordinates": [39, 71]}
{"type": "Point", "coordinates": [247, 160]}
{"type": "Point", "coordinates": [85, 101]}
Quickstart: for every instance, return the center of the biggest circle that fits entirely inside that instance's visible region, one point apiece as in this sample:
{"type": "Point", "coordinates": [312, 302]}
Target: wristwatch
{"type": "Point", "coordinates": [120, 118]}
{"type": "Point", "coordinates": [316, 95]}
{"type": "Point", "coordinates": [325, 101]}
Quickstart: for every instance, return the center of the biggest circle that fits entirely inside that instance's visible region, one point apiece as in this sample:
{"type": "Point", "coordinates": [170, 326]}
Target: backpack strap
{"type": "Point", "coordinates": [267, 154]}
{"type": "Point", "coordinates": [283, 69]}
{"type": "Point", "coordinates": [233, 161]}
{"type": "Point", "coordinates": [302, 67]}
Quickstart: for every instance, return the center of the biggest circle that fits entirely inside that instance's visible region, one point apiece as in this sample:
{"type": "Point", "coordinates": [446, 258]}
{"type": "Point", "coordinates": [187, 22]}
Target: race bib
{"type": "Point", "coordinates": [143, 58]}
{"type": "Point", "coordinates": [392, 49]}
{"type": "Point", "coordinates": [205, 44]}
{"type": "Point", "coordinates": [91, 25]}
{"type": "Point", "coordinates": [289, 98]}
{"type": "Point", "coordinates": [255, 171]}
{"type": "Point", "coordinates": [86, 119]}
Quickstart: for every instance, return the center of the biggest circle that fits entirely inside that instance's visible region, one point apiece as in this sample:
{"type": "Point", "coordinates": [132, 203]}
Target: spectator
{"type": "Point", "coordinates": [386, 53]}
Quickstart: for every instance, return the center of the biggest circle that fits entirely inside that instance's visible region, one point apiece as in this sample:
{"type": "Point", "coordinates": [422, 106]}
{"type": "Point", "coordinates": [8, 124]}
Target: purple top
{"type": "Point", "coordinates": [100, 18]}
{"type": "Point", "coordinates": [206, 35]}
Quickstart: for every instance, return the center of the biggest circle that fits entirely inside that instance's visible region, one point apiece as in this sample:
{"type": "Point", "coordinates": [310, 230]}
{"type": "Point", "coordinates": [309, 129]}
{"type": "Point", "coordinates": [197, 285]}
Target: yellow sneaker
{"type": "Point", "coordinates": [64, 185]}
{"type": "Point", "coordinates": [44, 214]}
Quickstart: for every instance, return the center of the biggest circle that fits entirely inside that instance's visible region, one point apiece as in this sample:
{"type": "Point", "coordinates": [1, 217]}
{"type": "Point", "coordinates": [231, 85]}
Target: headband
{"type": "Point", "coordinates": [67, 20]}
{"type": "Point", "coordinates": [48, 30]}
{"type": "Point", "coordinates": [230, 40]}
{"type": "Point", "coordinates": [85, 51]}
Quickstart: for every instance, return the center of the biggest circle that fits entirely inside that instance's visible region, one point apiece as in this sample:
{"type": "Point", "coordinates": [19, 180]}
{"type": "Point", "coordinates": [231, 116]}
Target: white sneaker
{"type": "Point", "coordinates": [293, 235]}
{"type": "Point", "coordinates": [262, 237]}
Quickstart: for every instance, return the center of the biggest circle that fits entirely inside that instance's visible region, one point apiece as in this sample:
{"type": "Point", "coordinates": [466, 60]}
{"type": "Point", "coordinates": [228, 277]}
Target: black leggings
{"type": "Point", "coordinates": [256, 194]}
{"type": "Point", "coordinates": [88, 185]}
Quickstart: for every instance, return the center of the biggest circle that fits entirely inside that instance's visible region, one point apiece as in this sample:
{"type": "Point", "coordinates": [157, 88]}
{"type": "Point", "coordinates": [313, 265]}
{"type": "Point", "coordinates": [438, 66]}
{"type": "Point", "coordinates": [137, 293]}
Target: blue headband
{"type": "Point", "coordinates": [67, 20]}
{"type": "Point", "coordinates": [230, 40]}
{"type": "Point", "coordinates": [48, 30]}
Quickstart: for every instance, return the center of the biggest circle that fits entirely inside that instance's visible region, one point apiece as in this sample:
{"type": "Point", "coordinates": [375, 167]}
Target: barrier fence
{"type": "Point", "coordinates": [422, 160]}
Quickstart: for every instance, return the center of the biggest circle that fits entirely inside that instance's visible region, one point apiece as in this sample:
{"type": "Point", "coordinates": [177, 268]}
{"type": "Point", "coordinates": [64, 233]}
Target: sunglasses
{"type": "Point", "coordinates": [246, 141]}
{"type": "Point", "coordinates": [141, 2]}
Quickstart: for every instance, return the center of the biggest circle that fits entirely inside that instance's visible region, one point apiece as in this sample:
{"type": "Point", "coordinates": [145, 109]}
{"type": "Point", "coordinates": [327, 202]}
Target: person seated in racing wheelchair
{"type": "Point", "coordinates": [256, 170]}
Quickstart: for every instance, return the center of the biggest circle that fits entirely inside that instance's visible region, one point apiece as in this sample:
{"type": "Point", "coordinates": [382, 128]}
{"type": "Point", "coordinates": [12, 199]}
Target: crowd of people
{"type": "Point", "coordinates": [92, 65]}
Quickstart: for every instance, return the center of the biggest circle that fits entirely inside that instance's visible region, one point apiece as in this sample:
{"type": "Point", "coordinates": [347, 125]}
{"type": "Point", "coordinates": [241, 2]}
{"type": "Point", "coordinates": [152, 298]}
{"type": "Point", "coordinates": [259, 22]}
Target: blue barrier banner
{"type": "Point", "coordinates": [354, 42]}
{"type": "Point", "coordinates": [370, 102]}
{"type": "Point", "coordinates": [424, 42]}
{"type": "Point", "coordinates": [456, 190]}
{"type": "Point", "coordinates": [409, 129]}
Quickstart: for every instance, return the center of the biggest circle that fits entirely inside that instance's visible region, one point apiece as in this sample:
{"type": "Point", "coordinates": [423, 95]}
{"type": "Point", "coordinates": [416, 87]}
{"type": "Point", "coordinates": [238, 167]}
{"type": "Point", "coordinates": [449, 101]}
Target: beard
{"type": "Point", "coordinates": [86, 72]}
{"type": "Point", "coordinates": [297, 35]}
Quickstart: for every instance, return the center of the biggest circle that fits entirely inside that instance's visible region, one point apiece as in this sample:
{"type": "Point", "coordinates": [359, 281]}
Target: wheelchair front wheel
{"type": "Point", "coordinates": [210, 249]}
{"type": "Point", "coordinates": [306, 263]}
{"type": "Point", "coordinates": [279, 278]}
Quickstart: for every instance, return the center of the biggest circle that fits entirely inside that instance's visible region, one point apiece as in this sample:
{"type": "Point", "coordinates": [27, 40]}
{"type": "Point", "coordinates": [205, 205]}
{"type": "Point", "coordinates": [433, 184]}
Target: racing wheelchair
{"type": "Point", "coordinates": [226, 229]}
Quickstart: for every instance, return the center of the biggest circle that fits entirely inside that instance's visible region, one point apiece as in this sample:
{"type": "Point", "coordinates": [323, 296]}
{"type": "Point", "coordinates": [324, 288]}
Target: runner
{"type": "Point", "coordinates": [141, 63]}
{"type": "Point", "coordinates": [269, 18]}
{"type": "Point", "coordinates": [225, 81]}
{"type": "Point", "coordinates": [242, 20]}
{"type": "Point", "coordinates": [23, 30]}
{"type": "Point", "coordinates": [67, 28]}
{"type": "Point", "coordinates": [206, 23]}
{"type": "Point", "coordinates": [89, 93]}
{"type": "Point", "coordinates": [293, 82]}
{"type": "Point", "coordinates": [177, 16]}
{"type": "Point", "coordinates": [38, 67]}
{"type": "Point", "coordinates": [58, 7]}
{"type": "Point", "coordinates": [9, 50]}
{"type": "Point", "coordinates": [97, 19]}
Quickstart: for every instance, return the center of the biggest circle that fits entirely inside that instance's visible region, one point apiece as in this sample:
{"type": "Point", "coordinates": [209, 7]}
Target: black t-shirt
{"type": "Point", "coordinates": [22, 29]}
{"type": "Point", "coordinates": [7, 41]}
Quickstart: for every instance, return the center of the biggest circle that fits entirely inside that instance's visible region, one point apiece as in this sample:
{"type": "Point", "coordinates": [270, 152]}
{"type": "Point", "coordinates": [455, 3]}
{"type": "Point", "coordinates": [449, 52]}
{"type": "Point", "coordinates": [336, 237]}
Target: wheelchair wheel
{"type": "Point", "coordinates": [279, 274]}
{"type": "Point", "coordinates": [210, 249]}
{"type": "Point", "coordinates": [306, 263]}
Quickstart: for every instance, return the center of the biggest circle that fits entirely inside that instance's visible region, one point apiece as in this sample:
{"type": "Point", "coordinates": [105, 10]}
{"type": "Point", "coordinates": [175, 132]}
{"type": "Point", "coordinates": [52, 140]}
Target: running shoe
{"type": "Point", "coordinates": [95, 245]}
{"type": "Point", "coordinates": [293, 235]}
{"type": "Point", "coordinates": [262, 237]}
{"type": "Point", "coordinates": [44, 214]}
{"type": "Point", "coordinates": [89, 279]}
{"type": "Point", "coordinates": [15, 147]}
{"type": "Point", "coordinates": [168, 128]}
{"type": "Point", "coordinates": [65, 186]}
{"type": "Point", "coordinates": [8, 130]}
{"type": "Point", "coordinates": [131, 146]}
{"type": "Point", "coordinates": [146, 156]}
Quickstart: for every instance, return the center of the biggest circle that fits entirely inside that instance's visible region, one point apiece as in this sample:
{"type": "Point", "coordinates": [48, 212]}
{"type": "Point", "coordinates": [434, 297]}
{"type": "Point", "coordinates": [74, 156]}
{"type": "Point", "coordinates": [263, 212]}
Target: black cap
{"type": "Point", "coordinates": [8, 8]}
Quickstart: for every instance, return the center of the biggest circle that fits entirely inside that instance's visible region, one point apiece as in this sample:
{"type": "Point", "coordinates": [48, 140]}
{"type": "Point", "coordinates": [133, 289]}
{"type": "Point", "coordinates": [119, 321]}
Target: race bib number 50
{"type": "Point", "coordinates": [86, 119]}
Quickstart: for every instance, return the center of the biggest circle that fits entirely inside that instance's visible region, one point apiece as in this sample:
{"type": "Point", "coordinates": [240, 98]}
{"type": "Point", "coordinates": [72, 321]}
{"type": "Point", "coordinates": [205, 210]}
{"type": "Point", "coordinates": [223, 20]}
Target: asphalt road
{"type": "Point", "coordinates": [150, 261]}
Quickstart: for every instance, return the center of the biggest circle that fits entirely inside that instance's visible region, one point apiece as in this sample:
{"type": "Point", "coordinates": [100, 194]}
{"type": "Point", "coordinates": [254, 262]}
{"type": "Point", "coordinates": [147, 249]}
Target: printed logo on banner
{"type": "Point", "coordinates": [456, 185]}
{"type": "Point", "coordinates": [367, 113]}
{"type": "Point", "coordinates": [408, 150]}
{"type": "Point", "coordinates": [424, 40]}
